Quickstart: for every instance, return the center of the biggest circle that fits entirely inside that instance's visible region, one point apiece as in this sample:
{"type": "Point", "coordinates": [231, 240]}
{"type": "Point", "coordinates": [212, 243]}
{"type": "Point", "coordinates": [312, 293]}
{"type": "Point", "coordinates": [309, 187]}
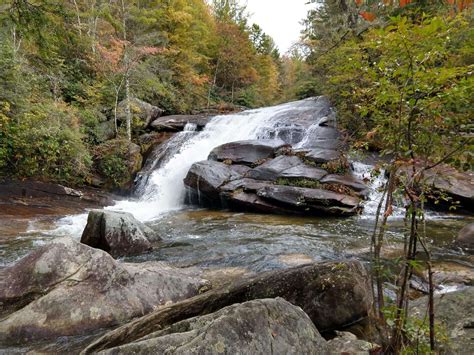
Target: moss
{"type": "Point", "coordinates": [299, 182]}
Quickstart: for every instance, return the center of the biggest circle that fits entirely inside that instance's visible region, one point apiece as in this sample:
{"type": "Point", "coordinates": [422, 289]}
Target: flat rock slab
{"type": "Point", "coordinates": [117, 233]}
{"type": "Point", "coordinates": [311, 200]}
{"type": "Point", "coordinates": [249, 152]}
{"type": "Point", "coordinates": [347, 180]}
{"type": "Point", "coordinates": [176, 123]}
{"type": "Point", "coordinates": [272, 169]}
{"type": "Point", "coordinates": [266, 326]}
{"type": "Point", "coordinates": [304, 172]}
{"type": "Point", "coordinates": [320, 155]}
{"type": "Point", "coordinates": [246, 184]}
{"type": "Point", "coordinates": [67, 288]}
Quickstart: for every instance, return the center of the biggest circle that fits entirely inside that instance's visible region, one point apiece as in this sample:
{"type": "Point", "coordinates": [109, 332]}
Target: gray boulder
{"type": "Point", "coordinates": [67, 288]}
{"type": "Point", "coordinates": [266, 326]}
{"type": "Point", "coordinates": [117, 233]}
{"type": "Point", "coordinates": [249, 152]}
{"type": "Point", "coordinates": [142, 111]}
{"type": "Point", "coordinates": [204, 179]}
{"type": "Point", "coordinates": [177, 123]}
{"type": "Point", "coordinates": [465, 238]}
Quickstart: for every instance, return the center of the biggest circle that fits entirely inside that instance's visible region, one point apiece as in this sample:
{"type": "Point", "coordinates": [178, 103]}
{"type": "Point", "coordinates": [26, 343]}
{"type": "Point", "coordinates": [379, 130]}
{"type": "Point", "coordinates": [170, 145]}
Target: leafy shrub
{"type": "Point", "coordinates": [44, 142]}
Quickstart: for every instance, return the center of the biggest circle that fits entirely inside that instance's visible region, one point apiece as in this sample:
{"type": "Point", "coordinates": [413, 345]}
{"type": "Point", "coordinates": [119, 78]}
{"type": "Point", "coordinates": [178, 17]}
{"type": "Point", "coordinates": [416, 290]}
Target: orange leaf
{"type": "Point", "coordinates": [368, 16]}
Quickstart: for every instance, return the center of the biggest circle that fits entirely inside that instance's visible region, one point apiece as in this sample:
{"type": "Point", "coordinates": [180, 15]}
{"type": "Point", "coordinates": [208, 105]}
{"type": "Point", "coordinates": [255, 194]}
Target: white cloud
{"type": "Point", "coordinates": [280, 19]}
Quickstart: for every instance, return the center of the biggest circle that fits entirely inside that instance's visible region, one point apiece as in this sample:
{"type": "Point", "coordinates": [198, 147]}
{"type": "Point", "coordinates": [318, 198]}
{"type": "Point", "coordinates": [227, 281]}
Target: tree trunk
{"type": "Point", "coordinates": [128, 112]}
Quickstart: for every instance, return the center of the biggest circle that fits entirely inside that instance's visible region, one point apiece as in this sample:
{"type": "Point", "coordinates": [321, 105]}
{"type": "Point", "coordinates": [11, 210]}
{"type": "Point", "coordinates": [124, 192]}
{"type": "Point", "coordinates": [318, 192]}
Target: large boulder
{"type": "Point", "coordinates": [453, 312]}
{"type": "Point", "coordinates": [117, 233]}
{"type": "Point", "coordinates": [204, 179]}
{"type": "Point", "coordinates": [465, 238]}
{"type": "Point", "coordinates": [176, 123]}
{"type": "Point", "coordinates": [67, 288]}
{"type": "Point", "coordinates": [250, 152]}
{"type": "Point", "coordinates": [142, 112]}
{"type": "Point", "coordinates": [333, 295]}
{"type": "Point", "coordinates": [267, 326]}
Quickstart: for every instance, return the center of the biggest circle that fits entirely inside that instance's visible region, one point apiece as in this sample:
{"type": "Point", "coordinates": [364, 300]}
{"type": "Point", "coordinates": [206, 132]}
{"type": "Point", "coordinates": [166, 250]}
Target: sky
{"type": "Point", "coordinates": [279, 18]}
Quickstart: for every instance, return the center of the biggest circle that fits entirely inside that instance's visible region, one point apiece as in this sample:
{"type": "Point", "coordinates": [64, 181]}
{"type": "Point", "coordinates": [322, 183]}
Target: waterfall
{"type": "Point", "coordinates": [160, 186]}
{"type": "Point", "coordinates": [164, 189]}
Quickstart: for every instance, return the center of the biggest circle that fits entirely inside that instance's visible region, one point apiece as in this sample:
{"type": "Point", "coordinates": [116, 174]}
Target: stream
{"type": "Point", "coordinates": [239, 242]}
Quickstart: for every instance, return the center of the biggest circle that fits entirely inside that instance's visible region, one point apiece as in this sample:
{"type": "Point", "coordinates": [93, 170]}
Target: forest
{"type": "Point", "coordinates": [169, 176]}
{"type": "Point", "coordinates": [66, 66]}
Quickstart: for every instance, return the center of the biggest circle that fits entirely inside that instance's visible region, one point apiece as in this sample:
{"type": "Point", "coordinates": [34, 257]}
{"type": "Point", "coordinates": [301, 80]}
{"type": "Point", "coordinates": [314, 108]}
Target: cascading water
{"type": "Point", "coordinates": [164, 190]}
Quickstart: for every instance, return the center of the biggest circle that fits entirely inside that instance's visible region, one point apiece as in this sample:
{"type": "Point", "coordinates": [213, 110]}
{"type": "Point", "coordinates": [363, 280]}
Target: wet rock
{"type": "Point", "coordinates": [176, 123]}
{"type": "Point", "coordinates": [250, 152]}
{"type": "Point", "coordinates": [250, 202]}
{"type": "Point", "coordinates": [117, 233]}
{"type": "Point", "coordinates": [347, 343]}
{"type": "Point", "coordinates": [266, 326]}
{"type": "Point", "coordinates": [453, 311]}
{"type": "Point", "coordinates": [272, 169]}
{"type": "Point", "coordinates": [68, 288]}
{"type": "Point", "coordinates": [204, 179]}
{"type": "Point", "coordinates": [465, 238]}
{"type": "Point", "coordinates": [142, 112]}
{"type": "Point", "coordinates": [311, 201]}
{"type": "Point", "coordinates": [333, 295]}
{"type": "Point", "coordinates": [320, 155]}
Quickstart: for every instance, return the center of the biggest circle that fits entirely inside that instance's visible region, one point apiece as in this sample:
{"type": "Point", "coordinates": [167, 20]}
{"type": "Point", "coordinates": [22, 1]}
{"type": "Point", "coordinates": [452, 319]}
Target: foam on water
{"type": "Point", "coordinates": [165, 191]}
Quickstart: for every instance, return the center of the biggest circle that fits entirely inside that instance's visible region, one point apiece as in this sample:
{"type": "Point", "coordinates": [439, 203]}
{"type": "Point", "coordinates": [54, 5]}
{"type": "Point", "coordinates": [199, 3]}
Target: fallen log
{"type": "Point", "coordinates": [333, 294]}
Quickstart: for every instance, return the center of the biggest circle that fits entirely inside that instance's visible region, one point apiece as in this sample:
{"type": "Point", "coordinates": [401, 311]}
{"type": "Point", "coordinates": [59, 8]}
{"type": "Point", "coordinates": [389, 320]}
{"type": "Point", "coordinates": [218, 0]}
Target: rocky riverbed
{"type": "Point", "coordinates": [75, 277]}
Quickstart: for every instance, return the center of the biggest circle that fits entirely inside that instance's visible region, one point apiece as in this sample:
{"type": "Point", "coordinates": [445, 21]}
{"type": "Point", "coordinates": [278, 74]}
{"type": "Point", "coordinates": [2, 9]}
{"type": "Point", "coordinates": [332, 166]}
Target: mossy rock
{"type": "Point", "coordinates": [118, 161]}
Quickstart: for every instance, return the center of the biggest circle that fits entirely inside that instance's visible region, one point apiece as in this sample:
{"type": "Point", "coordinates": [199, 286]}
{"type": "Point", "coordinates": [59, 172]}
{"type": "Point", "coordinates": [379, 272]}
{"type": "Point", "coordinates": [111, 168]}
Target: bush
{"type": "Point", "coordinates": [44, 142]}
